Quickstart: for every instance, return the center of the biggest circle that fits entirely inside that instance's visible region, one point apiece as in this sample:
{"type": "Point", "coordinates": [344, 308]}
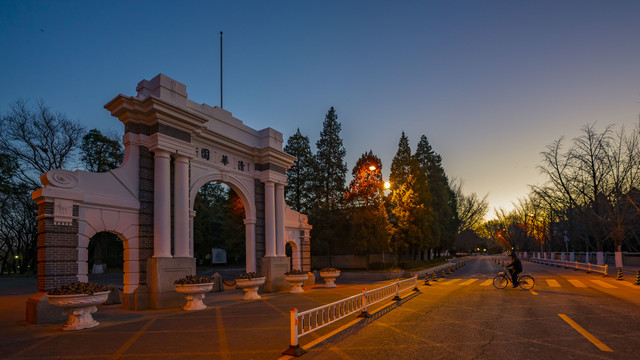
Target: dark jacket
{"type": "Point", "coordinates": [516, 264]}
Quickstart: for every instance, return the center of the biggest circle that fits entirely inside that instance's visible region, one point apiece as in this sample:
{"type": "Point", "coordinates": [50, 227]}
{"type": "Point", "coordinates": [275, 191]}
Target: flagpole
{"type": "Point", "coordinates": [221, 70]}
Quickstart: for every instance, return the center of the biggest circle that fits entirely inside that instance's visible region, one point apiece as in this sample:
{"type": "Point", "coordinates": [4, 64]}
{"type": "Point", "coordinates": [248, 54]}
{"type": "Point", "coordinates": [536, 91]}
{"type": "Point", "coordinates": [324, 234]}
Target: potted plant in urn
{"type": "Point", "coordinates": [250, 282]}
{"type": "Point", "coordinates": [329, 275]}
{"type": "Point", "coordinates": [296, 278]}
{"type": "Point", "coordinates": [193, 288]}
{"type": "Point", "coordinates": [78, 300]}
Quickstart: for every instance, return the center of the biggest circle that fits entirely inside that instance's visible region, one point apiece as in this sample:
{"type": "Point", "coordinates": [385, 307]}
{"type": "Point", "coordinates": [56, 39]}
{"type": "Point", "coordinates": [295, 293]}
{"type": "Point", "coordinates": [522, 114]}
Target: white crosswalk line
{"type": "Point", "coordinates": [449, 282]}
{"type": "Point", "coordinates": [604, 284]}
{"type": "Point", "coordinates": [629, 284]}
{"type": "Point", "coordinates": [553, 283]}
{"type": "Point", "coordinates": [487, 282]}
{"type": "Point", "coordinates": [577, 283]}
{"type": "Point", "coordinates": [468, 282]}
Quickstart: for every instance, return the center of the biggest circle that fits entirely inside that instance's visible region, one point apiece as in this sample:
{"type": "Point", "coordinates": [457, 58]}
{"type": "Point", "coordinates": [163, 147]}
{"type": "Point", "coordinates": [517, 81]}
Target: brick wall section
{"type": "Point", "coordinates": [57, 250]}
{"type": "Point", "coordinates": [306, 255]}
{"type": "Point", "coordinates": [171, 131]}
{"type": "Point", "coordinates": [157, 128]}
{"type": "Point", "coordinates": [145, 216]}
{"type": "Point", "coordinates": [260, 246]}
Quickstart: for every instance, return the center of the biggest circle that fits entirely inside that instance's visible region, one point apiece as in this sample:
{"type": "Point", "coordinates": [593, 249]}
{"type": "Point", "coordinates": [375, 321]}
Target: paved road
{"type": "Point", "coordinates": [465, 317]}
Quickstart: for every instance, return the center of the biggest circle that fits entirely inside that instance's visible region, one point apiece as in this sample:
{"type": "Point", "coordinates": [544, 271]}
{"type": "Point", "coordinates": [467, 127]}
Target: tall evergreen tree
{"type": "Point", "coordinates": [443, 199]}
{"type": "Point", "coordinates": [300, 177]}
{"type": "Point", "coordinates": [369, 224]}
{"type": "Point", "coordinates": [367, 186]}
{"type": "Point", "coordinates": [401, 163]}
{"type": "Point", "coordinates": [327, 215]}
{"type": "Point", "coordinates": [408, 217]}
{"type": "Point", "coordinates": [331, 170]}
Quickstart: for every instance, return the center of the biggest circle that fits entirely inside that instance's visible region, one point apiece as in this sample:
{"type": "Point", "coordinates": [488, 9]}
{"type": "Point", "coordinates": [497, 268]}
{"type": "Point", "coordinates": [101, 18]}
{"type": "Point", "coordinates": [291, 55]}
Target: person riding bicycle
{"type": "Point", "coordinates": [515, 268]}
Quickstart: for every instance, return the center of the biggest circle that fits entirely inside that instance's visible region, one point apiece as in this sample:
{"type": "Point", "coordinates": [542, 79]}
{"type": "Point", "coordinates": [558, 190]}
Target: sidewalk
{"type": "Point", "coordinates": [230, 328]}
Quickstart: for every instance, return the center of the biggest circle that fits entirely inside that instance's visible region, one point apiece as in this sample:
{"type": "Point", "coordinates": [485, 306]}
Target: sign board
{"type": "Point", "coordinates": [218, 256]}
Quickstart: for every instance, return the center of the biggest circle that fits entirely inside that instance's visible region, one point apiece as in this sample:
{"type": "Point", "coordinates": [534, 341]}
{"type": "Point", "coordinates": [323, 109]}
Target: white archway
{"type": "Point", "coordinates": [246, 192]}
{"type": "Point", "coordinates": [173, 146]}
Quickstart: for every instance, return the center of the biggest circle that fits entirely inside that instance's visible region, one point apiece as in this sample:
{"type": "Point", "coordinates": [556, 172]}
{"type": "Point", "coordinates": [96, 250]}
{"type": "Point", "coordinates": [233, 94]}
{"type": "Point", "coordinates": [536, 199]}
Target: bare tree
{"type": "Point", "coordinates": [471, 208]}
{"type": "Point", "coordinates": [38, 139]}
{"type": "Point", "coordinates": [587, 184]}
{"type": "Point", "coordinates": [35, 140]}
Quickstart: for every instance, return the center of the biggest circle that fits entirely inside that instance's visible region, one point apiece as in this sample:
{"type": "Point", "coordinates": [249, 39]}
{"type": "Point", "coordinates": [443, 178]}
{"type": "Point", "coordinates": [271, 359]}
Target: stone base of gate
{"type": "Point", "coordinates": [39, 311]}
{"type": "Point", "coordinates": [138, 300]}
{"type": "Point", "coordinates": [161, 273]}
{"type": "Point", "coordinates": [274, 267]}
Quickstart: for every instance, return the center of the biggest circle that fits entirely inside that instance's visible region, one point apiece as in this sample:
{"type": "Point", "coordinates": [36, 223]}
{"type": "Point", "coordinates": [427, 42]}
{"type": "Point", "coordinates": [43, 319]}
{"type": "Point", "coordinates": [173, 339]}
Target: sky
{"type": "Point", "coordinates": [490, 83]}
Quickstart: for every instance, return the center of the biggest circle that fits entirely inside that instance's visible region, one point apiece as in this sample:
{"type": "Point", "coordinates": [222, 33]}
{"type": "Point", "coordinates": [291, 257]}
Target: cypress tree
{"type": "Point", "coordinates": [401, 163]}
{"type": "Point", "coordinates": [326, 215]}
{"type": "Point", "coordinates": [331, 170]}
{"type": "Point", "coordinates": [443, 199]}
{"type": "Point", "coordinates": [300, 177]}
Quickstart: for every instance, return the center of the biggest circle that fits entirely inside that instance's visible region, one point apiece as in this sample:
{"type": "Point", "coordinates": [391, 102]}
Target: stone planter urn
{"type": "Point", "coordinates": [329, 275]}
{"type": "Point", "coordinates": [194, 293]}
{"type": "Point", "coordinates": [79, 307]}
{"type": "Point", "coordinates": [296, 281]}
{"type": "Point", "coordinates": [250, 287]}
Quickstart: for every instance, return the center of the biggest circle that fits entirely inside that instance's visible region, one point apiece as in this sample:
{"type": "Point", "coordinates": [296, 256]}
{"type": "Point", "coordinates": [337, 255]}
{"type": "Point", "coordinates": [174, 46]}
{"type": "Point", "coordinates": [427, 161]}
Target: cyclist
{"type": "Point", "coordinates": [515, 268]}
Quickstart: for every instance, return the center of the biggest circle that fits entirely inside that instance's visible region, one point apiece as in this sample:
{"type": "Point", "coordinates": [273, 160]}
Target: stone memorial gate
{"type": "Point", "coordinates": [173, 146]}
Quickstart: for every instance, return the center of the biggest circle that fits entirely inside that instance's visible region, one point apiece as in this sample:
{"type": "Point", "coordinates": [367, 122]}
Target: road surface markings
{"type": "Point", "coordinates": [576, 283]}
{"type": "Point", "coordinates": [451, 282]}
{"type": "Point", "coordinates": [553, 283]}
{"type": "Point", "coordinates": [132, 339]}
{"type": "Point", "coordinates": [533, 292]}
{"type": "Point", "coordinates": [468, 282]}
{"type": "Point", "coordinates": [222, 336]}
{"type": "Point", "coordinates": [629, 284]}
{"type": "Point", "coordinates": [604, 284]}
{"type": "Point", "coordinates": [585, 333]}
{"type": "Point", "coordinates": [487, 282]}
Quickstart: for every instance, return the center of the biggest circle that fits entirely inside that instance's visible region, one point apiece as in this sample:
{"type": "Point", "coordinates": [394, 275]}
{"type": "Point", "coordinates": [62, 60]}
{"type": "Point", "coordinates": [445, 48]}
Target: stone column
{"type": "Point", "coordinates": [162, 204]}
{"type": "Point", "coordinates": [280, 246]}
{"type": "Point", "coordinates": [181, 207]}
{"type": "Point", "coordinates": [192, 215]}
{"type": "Point", "coordinates": [269, 219]}
{"type": "Point", "coordinates": [250, 244]}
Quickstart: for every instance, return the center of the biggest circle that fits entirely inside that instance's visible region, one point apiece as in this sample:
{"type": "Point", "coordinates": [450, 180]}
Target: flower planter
{"type": "Point", "coordinates": [329, 278]}
{"type": "Point", "coordinates": [194, 293]}
{"type": "Point", "coordinates": [250, 287]}
{"type": "Point", "coordinates": [296, 282]}
{"type": "Point", "coordinates": [79, 307]}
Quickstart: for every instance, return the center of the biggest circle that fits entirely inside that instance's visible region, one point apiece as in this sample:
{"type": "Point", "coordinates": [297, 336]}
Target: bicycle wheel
{"type": "Point", "coordinates": [526, 282]}
{"type": "Point", "coordinates": [500, 282]}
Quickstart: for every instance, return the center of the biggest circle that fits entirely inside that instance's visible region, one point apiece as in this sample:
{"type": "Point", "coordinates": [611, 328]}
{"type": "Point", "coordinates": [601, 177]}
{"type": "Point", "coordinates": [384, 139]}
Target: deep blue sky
{"type": "Point", "coordinates": [490, 83]}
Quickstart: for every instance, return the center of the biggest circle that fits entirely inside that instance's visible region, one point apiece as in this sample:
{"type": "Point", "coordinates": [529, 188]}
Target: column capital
{"type": "Point", "coordinates": [249, 221]}
{"type": "Point", "coordinates": [181, 159]}
{"type": "Point", "coordinates": [161, 153]}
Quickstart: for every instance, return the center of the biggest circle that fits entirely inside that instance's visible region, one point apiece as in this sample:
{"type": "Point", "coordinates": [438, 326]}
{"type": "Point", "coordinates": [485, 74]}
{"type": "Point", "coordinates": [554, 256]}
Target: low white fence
{"type": "Point", "coordinates": [305, 322]}
{"type": "Point", "coordinates": [588, 267]}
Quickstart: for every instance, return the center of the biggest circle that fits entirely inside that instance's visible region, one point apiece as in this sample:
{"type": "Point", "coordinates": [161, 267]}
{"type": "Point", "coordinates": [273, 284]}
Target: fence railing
{"type": "Point", "coordinates": [305, 322]}
{"type": "Point", "coordinates": [588, 267]}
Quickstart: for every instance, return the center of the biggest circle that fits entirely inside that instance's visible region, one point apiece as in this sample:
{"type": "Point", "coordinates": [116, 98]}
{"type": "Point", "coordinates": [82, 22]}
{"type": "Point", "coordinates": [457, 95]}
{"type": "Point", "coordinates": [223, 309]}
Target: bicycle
{"type": "Point", "coordinates": [525, 281]}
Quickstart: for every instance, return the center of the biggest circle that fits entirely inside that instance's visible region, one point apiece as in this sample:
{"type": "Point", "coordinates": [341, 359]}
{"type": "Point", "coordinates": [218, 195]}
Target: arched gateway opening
{"type": "Point", "coordinates": [173, 146]}
{"type": "Point", "coordinates": [219, 230]}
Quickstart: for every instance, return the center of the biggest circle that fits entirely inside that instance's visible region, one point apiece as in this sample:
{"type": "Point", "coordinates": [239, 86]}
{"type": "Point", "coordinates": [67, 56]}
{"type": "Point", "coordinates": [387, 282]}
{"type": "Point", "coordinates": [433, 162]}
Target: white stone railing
{"type": "Point", "coordinates": [305, 322]}
{"type": "Point", "coordinates": [588, 267]}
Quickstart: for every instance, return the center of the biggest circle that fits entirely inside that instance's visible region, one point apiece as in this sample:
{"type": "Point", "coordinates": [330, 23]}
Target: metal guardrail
{"type": "Point", "coordinates": [305, 322]}
{"type": "Point", "coordinates": [588, 267]}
